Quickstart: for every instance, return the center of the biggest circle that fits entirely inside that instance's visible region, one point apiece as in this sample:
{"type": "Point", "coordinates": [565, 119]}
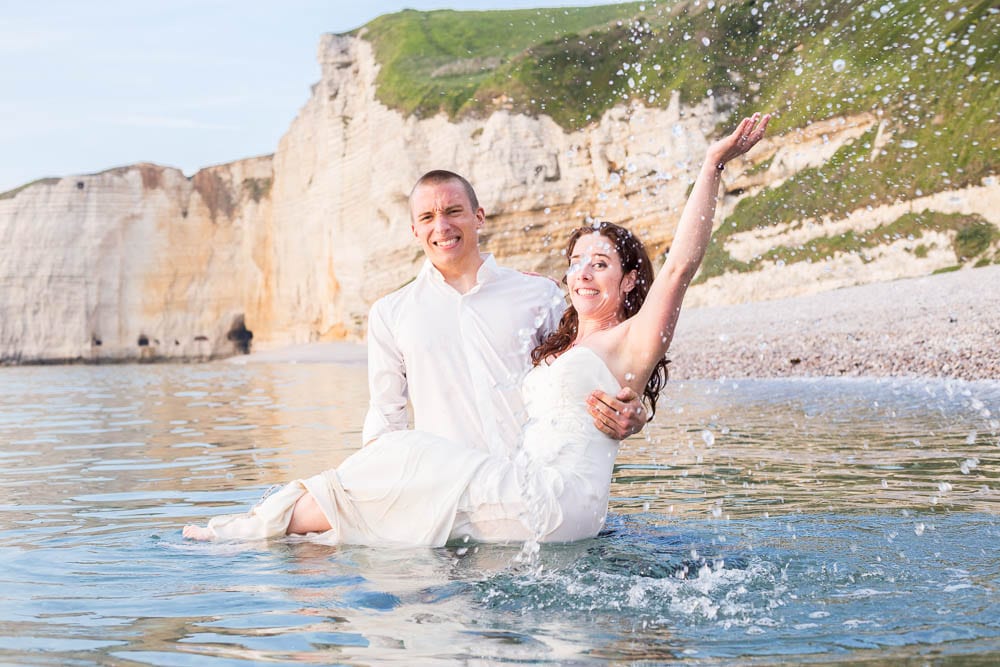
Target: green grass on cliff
{"type": "Point", "coordinates": [10, 194]}
{"type": "Point", "coordinates": [439, 61]}
{"type": "Point", "coordinates": [973, 236]}
{"type": "Point", "coordinates": [928, 69]}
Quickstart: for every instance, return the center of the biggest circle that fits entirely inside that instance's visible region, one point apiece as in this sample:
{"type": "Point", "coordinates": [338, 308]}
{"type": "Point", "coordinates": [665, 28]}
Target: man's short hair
{"type": "Point", "coordinates": [436, 176]}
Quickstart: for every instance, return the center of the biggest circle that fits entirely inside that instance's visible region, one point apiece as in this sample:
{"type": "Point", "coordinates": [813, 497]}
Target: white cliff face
{"type": "Point", "coordinates": [301, 244]}
{"type": "Point", "coordinates": [344, 170]}
{"type": "Point", "coordinates": [131, 263]}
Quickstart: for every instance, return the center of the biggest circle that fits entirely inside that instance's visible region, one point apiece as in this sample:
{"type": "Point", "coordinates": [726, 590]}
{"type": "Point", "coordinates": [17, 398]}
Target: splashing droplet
{"type": "Point", "coordinates": [968, 465]}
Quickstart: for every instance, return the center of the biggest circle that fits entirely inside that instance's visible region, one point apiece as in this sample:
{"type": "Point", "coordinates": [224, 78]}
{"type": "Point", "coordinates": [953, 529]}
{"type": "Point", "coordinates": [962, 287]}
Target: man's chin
{"type": "Point", "coordinates": [457, 254]}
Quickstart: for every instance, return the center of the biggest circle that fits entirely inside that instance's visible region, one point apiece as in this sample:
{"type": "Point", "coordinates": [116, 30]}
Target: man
{"type": "Point", "coordinates": [457, 340]}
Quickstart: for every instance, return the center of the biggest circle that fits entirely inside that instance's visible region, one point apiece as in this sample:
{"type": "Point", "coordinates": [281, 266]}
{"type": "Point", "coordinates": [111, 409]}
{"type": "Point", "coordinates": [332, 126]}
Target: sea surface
{"type": "Point", "coordinates": [756, 521]}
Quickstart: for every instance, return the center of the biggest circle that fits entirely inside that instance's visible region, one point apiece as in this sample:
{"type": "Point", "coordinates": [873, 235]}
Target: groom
{"type": "Point", "coordinates": [457, 340]}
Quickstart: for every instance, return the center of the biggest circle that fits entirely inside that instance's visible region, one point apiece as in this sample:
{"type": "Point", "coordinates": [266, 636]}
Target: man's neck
{"type": "Point", "coordinates": [462, 278]}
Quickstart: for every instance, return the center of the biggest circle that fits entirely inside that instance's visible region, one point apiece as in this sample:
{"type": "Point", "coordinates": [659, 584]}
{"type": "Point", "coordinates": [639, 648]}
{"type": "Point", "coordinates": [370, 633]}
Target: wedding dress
{"type": "Point", "coordinates": [413, 488]}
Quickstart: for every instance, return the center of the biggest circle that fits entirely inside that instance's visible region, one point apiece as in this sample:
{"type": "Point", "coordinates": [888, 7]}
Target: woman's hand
{"type": "Point", "coordinates": [747, 134]}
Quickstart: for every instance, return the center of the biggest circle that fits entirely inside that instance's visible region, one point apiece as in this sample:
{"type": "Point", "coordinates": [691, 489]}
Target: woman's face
{"type": "Point", "coordinates": [597, 286]}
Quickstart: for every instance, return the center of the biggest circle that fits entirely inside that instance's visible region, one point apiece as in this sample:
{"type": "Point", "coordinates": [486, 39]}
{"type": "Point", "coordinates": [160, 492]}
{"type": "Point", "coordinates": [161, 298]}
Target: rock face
{"type": "Point", "coordinates": [142, 262]}
{"type": "Point", "coordinates": [132, 263]}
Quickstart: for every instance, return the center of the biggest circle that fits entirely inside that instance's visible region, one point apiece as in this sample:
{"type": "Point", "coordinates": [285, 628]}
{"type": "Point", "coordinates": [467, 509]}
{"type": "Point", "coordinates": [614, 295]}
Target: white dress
{"type": "Point", "coordinates": [413, 488]}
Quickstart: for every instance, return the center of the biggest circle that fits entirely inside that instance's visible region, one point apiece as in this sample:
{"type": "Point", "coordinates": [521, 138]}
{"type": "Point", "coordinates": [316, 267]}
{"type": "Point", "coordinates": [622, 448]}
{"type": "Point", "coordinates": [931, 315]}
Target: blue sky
{"type": "Point", "coordinates": [92, 85]}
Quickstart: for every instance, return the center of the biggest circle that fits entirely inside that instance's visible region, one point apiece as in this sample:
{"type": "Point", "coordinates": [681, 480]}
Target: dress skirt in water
{"type": "Point", "coordinates": [417, 489]}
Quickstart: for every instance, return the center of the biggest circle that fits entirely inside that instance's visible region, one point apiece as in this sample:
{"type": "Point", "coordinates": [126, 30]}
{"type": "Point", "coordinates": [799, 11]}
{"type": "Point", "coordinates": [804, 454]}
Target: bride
{"type": "Point", "coordinates": [414, 488]}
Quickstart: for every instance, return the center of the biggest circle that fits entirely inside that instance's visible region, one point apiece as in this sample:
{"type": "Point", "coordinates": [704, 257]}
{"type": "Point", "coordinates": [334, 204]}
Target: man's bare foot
{"type": "Point", "coordinates": [198, 533]}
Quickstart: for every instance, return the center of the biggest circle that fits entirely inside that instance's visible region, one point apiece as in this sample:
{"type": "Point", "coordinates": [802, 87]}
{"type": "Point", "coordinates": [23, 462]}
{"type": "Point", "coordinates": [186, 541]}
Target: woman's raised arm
{"type": "Point", "coordinates": [651, 330]}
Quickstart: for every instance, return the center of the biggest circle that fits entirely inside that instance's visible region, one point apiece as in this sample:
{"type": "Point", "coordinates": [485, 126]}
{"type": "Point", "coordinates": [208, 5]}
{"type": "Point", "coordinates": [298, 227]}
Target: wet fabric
{"type": "Point", "coordinates": [459, 358]}
{"type": "Point", "coordinates": [415, 488]}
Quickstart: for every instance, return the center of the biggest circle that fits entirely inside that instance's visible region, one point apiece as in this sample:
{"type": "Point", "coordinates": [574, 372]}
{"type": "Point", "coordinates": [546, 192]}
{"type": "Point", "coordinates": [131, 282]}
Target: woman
{"type": "Point", "coordinates": [412, 488]}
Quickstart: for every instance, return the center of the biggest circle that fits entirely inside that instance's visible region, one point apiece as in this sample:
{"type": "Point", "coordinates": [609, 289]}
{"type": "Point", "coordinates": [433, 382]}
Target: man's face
{"type": "Point", "coordinates": [443, 221]}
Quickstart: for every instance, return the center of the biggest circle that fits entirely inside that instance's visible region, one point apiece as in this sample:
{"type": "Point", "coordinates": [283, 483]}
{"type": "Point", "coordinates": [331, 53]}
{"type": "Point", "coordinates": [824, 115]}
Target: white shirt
{"type": "Point", "coordinates": [460, 358]}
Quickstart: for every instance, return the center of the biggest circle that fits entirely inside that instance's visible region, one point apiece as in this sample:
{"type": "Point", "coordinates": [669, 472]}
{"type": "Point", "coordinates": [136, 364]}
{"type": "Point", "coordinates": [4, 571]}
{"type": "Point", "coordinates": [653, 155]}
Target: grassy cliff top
{"type": "Point", "coordinates": [805, 58]}
{"type": "Point", "coordinates": [928, 68]}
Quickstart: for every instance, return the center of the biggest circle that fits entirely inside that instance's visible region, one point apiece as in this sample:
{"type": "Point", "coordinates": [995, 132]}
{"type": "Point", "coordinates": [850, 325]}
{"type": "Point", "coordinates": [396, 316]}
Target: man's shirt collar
{"type": "Point", "coordinates": [487, 272]}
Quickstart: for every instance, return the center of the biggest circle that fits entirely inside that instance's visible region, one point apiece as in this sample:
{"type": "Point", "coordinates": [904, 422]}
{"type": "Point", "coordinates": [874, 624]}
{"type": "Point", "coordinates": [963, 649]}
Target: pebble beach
{"type": "Point", "coordinates": [943, 326]}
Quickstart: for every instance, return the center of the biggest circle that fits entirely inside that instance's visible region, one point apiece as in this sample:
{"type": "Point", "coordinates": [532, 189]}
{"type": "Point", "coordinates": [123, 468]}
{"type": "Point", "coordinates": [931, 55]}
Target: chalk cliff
{"type": "Point", "coordinates": [142, 262]}
{"type": "Point", "coordinates": [132, 263]}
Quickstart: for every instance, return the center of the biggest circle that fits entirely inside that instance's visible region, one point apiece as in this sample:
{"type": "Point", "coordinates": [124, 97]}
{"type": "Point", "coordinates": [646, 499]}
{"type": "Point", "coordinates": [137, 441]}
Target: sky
{"type": "Point", "coordinates": [87, 86]}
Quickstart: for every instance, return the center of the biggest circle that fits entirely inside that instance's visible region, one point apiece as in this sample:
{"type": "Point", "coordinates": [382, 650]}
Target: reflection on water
{"type": "Point", "coordinates": [746, 448]}
{"type": "Point", "coordinates": [825, 519]}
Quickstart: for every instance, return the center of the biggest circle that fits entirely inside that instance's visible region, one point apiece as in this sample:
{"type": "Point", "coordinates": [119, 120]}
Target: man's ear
{"type": "Point", "coordinates": [413, 228]}
{"type": "Point", "coordinates": [480, 217]}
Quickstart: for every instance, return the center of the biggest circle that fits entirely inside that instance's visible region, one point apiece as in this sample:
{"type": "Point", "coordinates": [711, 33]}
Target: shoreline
{"type": "Point", "coordinates": [943, 326]}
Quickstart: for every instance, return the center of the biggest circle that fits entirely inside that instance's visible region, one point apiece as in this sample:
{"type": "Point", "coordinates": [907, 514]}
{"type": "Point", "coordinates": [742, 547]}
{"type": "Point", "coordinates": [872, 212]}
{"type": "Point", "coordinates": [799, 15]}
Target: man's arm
{"type": "Point", "coordinates": [386, 379]}
{"type": "Point", "coordinates": [617, 416]}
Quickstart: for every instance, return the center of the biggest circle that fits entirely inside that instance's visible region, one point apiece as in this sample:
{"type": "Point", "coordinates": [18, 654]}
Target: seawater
{"type": "Point", "coordinates": [755, 521]}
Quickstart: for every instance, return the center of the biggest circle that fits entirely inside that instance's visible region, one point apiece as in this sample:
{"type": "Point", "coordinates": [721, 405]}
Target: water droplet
{"type": "Point", "coordinates": [708, 437]}
{"type": "Point", "coordinates": [908, 143]}
{"type": "Point", "coordinates": [839, 65]}
{"type": "Point", "coordinates": [706, 41]}
{"type": "Point", "coordinates": [919, 529]}
{"type": "Point", "coordinates": [968, 465]}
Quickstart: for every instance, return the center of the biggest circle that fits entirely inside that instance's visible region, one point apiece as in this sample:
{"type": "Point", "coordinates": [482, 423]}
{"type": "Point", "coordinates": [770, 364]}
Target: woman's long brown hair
{"type": "Point", "coordinates": [633, 258]}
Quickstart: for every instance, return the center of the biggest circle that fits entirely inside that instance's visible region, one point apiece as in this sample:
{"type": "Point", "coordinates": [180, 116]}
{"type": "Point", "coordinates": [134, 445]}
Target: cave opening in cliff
{"type": "Point", "coordinates": [143, 340]}
{"type": "Point", "coordinates": [240, 335]}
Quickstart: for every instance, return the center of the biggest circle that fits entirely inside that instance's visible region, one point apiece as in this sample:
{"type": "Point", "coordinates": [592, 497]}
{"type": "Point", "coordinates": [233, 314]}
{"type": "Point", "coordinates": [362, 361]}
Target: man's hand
{"type": "Point", "coordinates": [617, 416]}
